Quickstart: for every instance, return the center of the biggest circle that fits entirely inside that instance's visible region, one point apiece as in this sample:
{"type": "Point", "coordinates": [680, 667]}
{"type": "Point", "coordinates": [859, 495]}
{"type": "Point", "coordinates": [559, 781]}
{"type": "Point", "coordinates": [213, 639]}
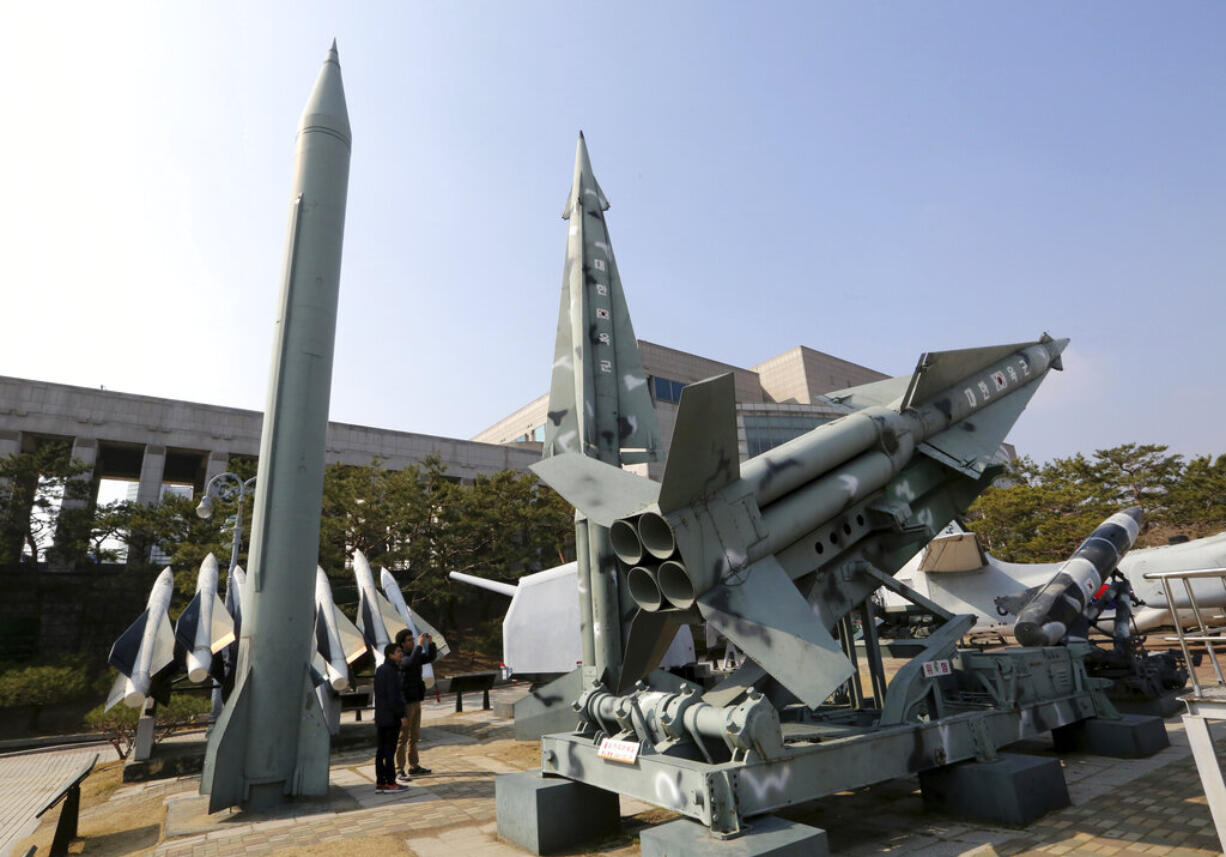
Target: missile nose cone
{"type": "Point", "coordinates": [326, 109]}
{"type": "Point", "coordinates": [1135, 513]}
{"type": "Point", "coordinates": [584, 188]}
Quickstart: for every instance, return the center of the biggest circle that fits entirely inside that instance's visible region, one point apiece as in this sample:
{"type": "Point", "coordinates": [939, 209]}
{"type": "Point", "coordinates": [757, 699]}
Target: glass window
{"type": "Point", "coordinates": [538, 434]}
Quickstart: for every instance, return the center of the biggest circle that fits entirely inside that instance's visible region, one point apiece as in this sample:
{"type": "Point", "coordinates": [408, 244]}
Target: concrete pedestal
{"type": "Point", "coordinates": [1013, 790]}
{"type": "Point", "coordinates": [1133, 736]}
{"type": "Point", "coordinates": [766, 836]}
{"type": "Point", "coordinates": [142, 745]}
{"type": "Point", "coordinates": [545, 814]}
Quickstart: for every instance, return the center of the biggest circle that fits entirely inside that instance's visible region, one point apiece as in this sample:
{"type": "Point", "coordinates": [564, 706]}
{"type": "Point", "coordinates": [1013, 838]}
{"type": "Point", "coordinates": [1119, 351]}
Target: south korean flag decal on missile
{"type": "Point", "coordinates": [998, 379]}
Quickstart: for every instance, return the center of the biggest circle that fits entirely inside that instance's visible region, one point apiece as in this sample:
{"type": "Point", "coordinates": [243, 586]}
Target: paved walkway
{"type": "Point", "coordinates": [29, 780]}
{"type": "Point", "coordinates": [1152, 807]}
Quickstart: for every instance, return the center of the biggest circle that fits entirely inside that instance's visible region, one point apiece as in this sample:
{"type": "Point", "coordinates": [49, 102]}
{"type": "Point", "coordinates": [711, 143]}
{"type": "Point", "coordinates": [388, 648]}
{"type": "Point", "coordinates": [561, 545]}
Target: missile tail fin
{"type": "Point", "coordinates": [392, 620]}
{"type": "Point", "coordinates": [770, 621]}
{"type": "Point", "coordinates": [937, 371]}
{"type": "Point", "coordinates": [599, 491]}
{"type": "Point", "coordinates": [350, 638]}
{"type": "Point", "coordinates": [163, 646]}
{"type": "Point", "coordinates": [223, 778]}
{"type": "Point", "coordinates": [222, 632]}
{"type": "Point", "coordinates": [189, 619]}
{"type": "Point", "coordinates": [970, 446]}
{"type": "Point", "coordinates": [647, 640]}
{"type": "Point", "coordinates": [703, 455]}
{"type": "Point", "coordinates": [123, 651]}
{"type": "Point", "coordinates": [118, 691]}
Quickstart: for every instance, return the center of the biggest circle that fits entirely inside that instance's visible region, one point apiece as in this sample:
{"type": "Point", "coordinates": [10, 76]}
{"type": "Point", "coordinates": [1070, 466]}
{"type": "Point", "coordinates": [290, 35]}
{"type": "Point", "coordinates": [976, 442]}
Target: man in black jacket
{"type": "Point", "coordinates": [389, 715]}
{"type": "Point", "coordinates": [415, 656]}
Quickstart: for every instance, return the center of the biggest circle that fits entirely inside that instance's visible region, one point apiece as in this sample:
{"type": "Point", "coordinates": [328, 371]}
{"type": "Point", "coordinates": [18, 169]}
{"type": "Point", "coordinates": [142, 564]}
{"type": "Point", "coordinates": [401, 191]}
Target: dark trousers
{"type": "Point", "coordinates": [385, 768]}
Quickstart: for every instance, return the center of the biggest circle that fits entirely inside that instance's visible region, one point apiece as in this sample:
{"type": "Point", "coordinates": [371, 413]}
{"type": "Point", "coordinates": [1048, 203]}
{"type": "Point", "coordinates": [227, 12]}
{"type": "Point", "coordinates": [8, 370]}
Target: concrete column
{"type": "Point", "coordinates": [85, 450]}
{"type": "Point", "coordinates": [72, 523]}
{"type": "Point", "coordinates": [10, 443]}
{"type": "Point", "coordinates": [152, 467]}
{"type": "Point", "coordinates": [219, 462]}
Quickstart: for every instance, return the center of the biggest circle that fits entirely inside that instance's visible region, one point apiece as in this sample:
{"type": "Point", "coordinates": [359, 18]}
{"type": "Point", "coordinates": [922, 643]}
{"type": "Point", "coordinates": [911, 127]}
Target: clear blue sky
{"type": "Point", "coordinates": [872, 180]}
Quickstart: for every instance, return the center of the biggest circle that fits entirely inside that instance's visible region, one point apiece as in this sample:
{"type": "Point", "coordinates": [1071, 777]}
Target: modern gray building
{"type": "Point", "coordinates": [162, 444]}
{"type": "Point", "coordinates": [776, 399]}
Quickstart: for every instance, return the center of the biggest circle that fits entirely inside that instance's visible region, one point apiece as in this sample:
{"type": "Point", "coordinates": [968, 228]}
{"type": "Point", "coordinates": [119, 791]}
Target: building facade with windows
{"type": "Point", "coordinates": [777, 399]}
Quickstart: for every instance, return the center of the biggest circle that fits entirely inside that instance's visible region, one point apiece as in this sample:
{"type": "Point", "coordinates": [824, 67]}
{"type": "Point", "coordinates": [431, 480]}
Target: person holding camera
{"type": "Point", "coordinates": [416, 653]}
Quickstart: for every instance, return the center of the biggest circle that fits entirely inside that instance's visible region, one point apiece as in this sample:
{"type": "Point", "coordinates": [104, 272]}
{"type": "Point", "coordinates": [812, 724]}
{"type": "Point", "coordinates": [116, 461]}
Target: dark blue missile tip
{"type": "Point", "coordinates": [1136, 513]}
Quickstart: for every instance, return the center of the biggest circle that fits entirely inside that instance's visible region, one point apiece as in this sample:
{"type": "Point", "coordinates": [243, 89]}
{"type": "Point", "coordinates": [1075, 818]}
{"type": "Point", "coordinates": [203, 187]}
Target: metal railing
{"type": "Point", "coordinates": [1204, 704]}
{"type": "Point", "coordinates": [1207, 635]}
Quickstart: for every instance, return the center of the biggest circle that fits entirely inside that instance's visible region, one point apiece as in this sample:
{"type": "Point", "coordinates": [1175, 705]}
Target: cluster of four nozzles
{"type": "Point", "coordinates": [657, 578]}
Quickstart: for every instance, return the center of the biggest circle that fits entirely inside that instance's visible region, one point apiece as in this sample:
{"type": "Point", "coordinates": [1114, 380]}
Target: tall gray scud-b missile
{"type": "Point", "coordinates": [271, 740]}
{"type": "Point", "coordinates": [599, 407]}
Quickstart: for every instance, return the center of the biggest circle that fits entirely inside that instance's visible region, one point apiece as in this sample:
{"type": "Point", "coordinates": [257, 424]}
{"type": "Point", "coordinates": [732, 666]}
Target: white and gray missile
{"type": "Point", "coordinates": [146, 649]}
{"type": "Point", "coordinates": [271, 739]}
{"type": "Point", "coordinates": [338, 642]}
{"type": "Point", "coordinates": [204, 627]}
{"type": "Point", "coordinates": [412, 621]}
{"type": "Point", "coordinates": [377, 619]}
{"type": "Point", "coordinates": [1068, 596]}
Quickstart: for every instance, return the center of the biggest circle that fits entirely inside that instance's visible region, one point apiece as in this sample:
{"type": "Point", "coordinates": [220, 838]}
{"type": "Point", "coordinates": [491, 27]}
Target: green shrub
{"type": "Point", "coordinates": [40, 686]}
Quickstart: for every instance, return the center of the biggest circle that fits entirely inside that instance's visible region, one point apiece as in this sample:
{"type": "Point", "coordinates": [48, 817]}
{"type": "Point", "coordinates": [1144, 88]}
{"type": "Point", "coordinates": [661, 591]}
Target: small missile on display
{"type": "Point", "coordinates": [413, 622]}
{"type": "Point", "coordinates": [204, 627]}
{"type": "Point", "coordinates": [145, 651]}
{"type": "Point", "coordinates": [1069, 596]}
{"type": "Point", "coordinates": [377, 619]}
{"type": "Point", "coordinates": [732, 539]}
{"type": "Point", "coordinates": [271, 740]}
{"type": "Point", "coordinates": [339, 643]}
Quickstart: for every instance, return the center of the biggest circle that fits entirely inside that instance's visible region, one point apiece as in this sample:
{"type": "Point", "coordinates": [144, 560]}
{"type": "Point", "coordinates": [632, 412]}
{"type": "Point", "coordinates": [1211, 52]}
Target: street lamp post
{"type": "Point", "coordinates": [226, 486]}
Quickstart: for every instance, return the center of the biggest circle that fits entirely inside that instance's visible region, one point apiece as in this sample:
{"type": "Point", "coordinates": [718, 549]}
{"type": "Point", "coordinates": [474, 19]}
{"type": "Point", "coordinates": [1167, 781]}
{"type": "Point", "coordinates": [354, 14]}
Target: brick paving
{"type": "Point", "coordinates": [1121, 808]}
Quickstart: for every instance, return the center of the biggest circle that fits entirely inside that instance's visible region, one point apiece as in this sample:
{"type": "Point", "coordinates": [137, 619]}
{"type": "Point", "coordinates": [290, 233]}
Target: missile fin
{"type": "Point", "coordinates": [222, 631]}
{"type": "Point", "coordinates": [124, 650]}
{"type": "Point", "coordinates": [886, 393]}
{"type": "Point", "coordinates": [647, 640]}
{"type": "Point", "coordinates": [768, 619]}
{"type": "Point", "coordinates": [351, 638]}
{"type": "Point", "coordinates": [424, 627]}
{"type": "Point", "coordinates": [937, 371]}
{"type": "Point", "coordinates": [366, 623]}
{"type": "Point", "coordinates": [185, 628]}
{"type": "Point", "coordinates": [118, 691]}
{"type": "Point", "coordinates": [600, 491]}
{"type": "Point", "coordinates": [321, 635]}
{"type": "Point", "coordinates": [163, 646]}
{"type": "Point", "coordinates": [391, 619]}
{"type": "Point", "coordinates": [968, 446]}
{"type": "Point", "coordinates": [703, 455]}
{"type": "Point", "coordinates": [223, 777]}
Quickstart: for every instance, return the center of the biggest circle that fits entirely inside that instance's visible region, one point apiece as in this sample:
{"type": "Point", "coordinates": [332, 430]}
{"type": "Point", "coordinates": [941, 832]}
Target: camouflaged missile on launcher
{"type": "Point", "coordinates": [600, 407]}
{"type": "Point", "coordinates": [779, 554]}
{"type": "Point", "coordinates": [271, 738]}
{"type": "Point", "coordinates": [734, 540]}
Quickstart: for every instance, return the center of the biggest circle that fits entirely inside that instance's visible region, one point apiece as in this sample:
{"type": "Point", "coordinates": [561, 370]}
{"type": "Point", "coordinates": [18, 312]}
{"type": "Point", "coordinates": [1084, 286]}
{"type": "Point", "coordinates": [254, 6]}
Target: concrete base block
{"type": "Point", "coordinates": [546, 814]}
{"type": "Point", "coordinates": [1013, 790]}
{"type": "Point", "coordinates": [766, 836]}
{"type": "Point", "coordinates": [1133, 736]}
